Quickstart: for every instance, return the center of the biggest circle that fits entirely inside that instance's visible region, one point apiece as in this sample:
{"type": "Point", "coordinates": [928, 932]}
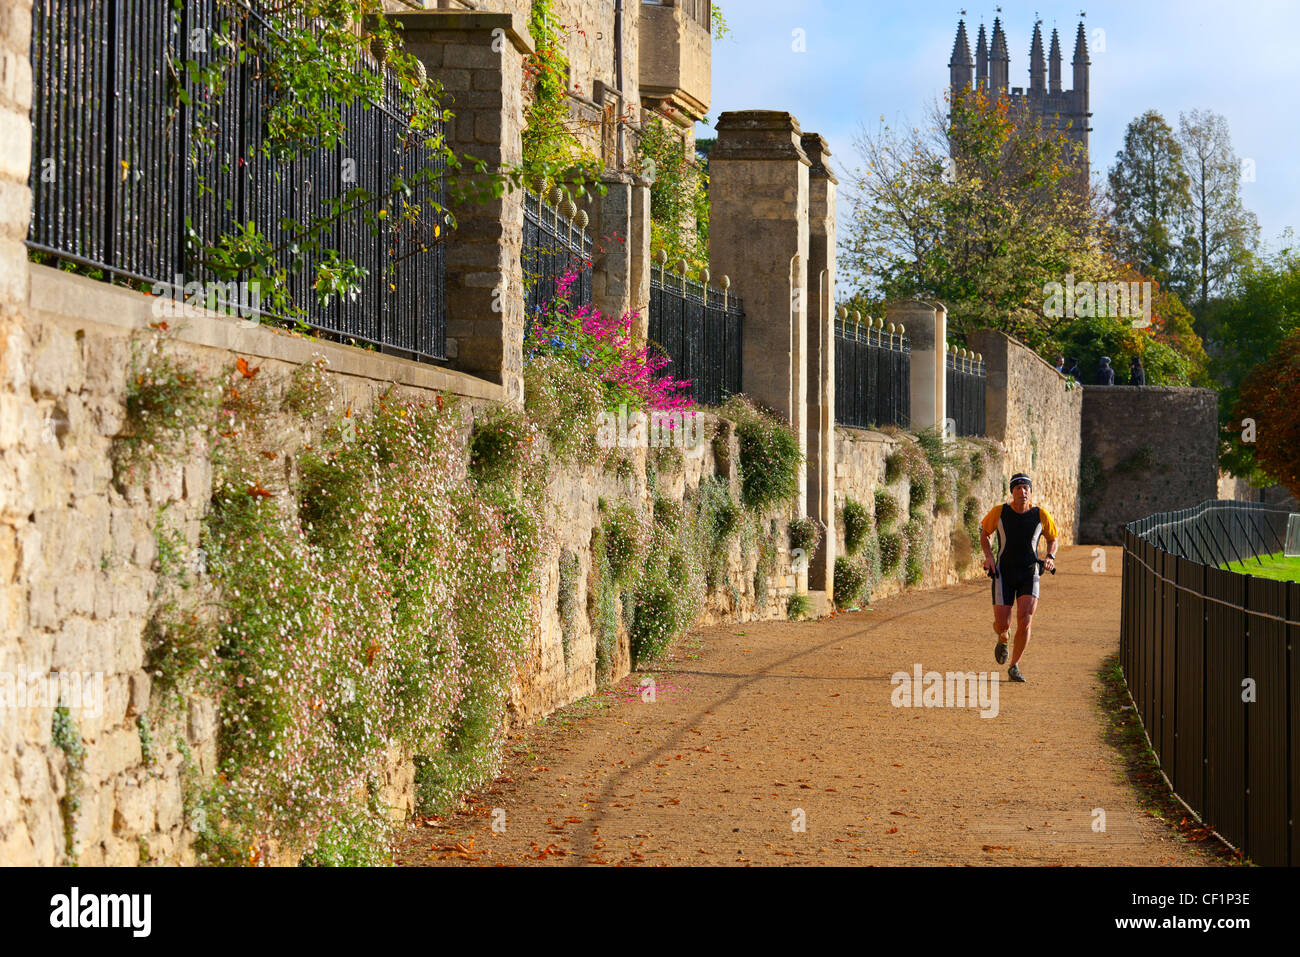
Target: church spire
{"type": "Point", "coordinates": [981, 60]}
{"type": "Point", "coordinates": [1081, 62]}
{"type": "Point", "coordinates": [1054, 58]}
{"type": "Point", "coordinates": [1037, 64]}
{"type": "Point", "coordinates": [959, 67]}
{"type": "Point", "coordinates": [999, 59]}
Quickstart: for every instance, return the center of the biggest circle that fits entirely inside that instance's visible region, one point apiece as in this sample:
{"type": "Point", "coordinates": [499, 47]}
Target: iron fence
{"type": "Point", "coordinates": [137, 169]}
{"type": "Point", "coordinates": [700, 329]}
{"type": "Point", "coordinates": [554, 245]}
{"type": "Point", "coordinates": [967, 382]}
{"type": "Point", "coordinates": [1209, 659]}
{"type": "Point", "coordinates": [873, 369]}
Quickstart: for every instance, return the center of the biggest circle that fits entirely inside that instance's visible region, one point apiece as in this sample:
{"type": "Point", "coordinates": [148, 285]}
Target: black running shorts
{"type": "Point", "coordinates": [1010, 584]}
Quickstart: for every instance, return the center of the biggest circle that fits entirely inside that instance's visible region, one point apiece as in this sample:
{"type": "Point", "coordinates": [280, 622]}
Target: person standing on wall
{"type": "Point", "coordinates": [1136, 374]}
{"type": "Point", "coordinates": [1015, 571]}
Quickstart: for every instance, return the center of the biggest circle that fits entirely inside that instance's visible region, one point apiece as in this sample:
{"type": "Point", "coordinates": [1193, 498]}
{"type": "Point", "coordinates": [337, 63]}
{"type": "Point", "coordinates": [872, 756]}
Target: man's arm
{"type": "Point", "coordinates": [985, 543]}
{"type": "Point", "coordinates": [1049, 560]}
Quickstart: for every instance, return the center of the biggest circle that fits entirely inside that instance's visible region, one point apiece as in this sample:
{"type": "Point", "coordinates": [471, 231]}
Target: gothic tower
{"type": "Point", "coordinates": [1053, 107]}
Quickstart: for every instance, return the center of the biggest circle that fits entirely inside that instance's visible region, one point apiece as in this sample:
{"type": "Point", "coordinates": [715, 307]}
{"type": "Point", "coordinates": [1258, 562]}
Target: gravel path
{"type": "Point", "coordinates": [755, 729]}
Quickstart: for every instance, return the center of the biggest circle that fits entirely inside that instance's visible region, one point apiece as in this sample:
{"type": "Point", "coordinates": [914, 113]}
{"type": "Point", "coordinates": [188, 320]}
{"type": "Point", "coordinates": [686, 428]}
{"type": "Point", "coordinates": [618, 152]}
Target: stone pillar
{"type": "Point", "coordinates": [926, 327]}
{"type": "Point", "coordinates": [479, 58]}
{"type": "Point", "coordinates": [758, 236]}
{"type": "Point", "coordinates": [821, 356]}
{"type": "Point", "coordinates": [639, 257]}
{"type": "Point", "coordinates": [610, 226]}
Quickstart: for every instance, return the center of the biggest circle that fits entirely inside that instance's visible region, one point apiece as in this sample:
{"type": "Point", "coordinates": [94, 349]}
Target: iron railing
{"type": "Point", "coordinates": [1209, 659]}
{"type": "Point", "coordinates": [967, 381]}
{"type": "Point", "coordinates": [554, 245]}
{"type": "Point", "coordinates": [873, 368]}
{"type": "Point", "coordinates": [121, 174]}
{"type": "Point", "coordinates": [700, 329]}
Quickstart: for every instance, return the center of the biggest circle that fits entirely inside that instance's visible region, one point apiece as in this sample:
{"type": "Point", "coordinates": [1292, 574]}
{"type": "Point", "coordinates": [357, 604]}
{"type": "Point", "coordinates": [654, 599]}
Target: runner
{"type": "Point", "coordinates": [1015, 571]}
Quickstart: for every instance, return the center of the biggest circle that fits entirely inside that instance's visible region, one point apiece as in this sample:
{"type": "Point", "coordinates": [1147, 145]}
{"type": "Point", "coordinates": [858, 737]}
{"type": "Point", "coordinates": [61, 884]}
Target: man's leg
{"type": "Point", "coordinates": [1001, 625]}
{"type": "Point", "coordinates": [1025, 607]}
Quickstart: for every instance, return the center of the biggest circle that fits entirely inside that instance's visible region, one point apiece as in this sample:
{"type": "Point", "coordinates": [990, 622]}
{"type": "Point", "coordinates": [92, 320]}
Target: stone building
{"type": "Point", "coordinates": [630, 61]}
{"type": "Point", "coordinates": [1066, 111]}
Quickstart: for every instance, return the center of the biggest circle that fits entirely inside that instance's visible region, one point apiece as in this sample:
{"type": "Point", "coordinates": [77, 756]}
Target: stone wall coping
{"type": "Point", "coordinates": [1012, 341]}
{"type": "Point", "coordinates": [61, 296]}
{"type": "Point", "coordinates": [435, 21]}
{"type": "Point", "coordinates": [1162, 389]}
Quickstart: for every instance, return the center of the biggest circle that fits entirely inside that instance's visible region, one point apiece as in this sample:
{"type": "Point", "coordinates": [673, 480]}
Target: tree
{"type": "Point", "coordinates": [1248, 325]}
{"type": "Point", "coordinates": [1269, 396]}
{"type": "Point", "coordinates": [1150, 195]}
{"type": "Point", "coordinates": [982, 231]}
{"type": "Point", "coordinates": [1221, 234]}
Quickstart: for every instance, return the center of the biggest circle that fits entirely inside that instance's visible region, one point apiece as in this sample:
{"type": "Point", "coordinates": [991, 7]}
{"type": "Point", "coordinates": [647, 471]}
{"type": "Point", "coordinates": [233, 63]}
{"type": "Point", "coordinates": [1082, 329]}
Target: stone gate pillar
{"type": "Point", "coordinates": [479, 57]}
{"type": "Point", "coordinates": [821, 356]}
{"type": "Point", "coordinates": [927, 330]}
{"type": "Point", "coordinates": [758, 236]}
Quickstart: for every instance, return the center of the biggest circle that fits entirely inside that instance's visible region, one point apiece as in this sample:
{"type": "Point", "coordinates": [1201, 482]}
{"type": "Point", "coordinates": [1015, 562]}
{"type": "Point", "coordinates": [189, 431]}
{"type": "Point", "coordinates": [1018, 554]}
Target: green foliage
{"type": "Point", "coordinates": [498, 443]}
{"type": "Point", "coordinates": [1087, 340]}
{"type": "Point", "coordinates": [552, 150]}
{"type": "Point", "coordinates": [565, 404]}
{"type": "Point", "coordinates": [914, 534]}
{"type": "Point", "coordinates": [679, 201]}
{"type": "Point", "coordinates": [65, 736]}
{"type": "Point", "coordinates": [165, 405]}
{"type": "Point", "coordinates": [970, 520]}
{"type": "Point", "coordinates": [147, 752]}
{"type": "Point", "coordinates": [857, 523]}
{"type": "Point", "coordinates": [603, 608]}
{"type": "Point", "coordinates": [770, 457]}
{"type": "Point", "coordinates": [891, 552]}
{"type": "Point", "coordinates": [765, 566]}
{"type": "Point", "coordinates": [850, 582]}
{"type": "Point", "coordinates": [798, 607]}
{"type": "Point", "coordinates": [718, 520]}
{"type": "Point", "coordinates": [302, 78]}
{"type": "Point", "coordinates": [626, 538]}
{"type": "Point", "coordinates": [805, 533]}
{"type": "Point", "coordinates": [886, 509]}
{"type": "Point", "coordinates": [567, 600]}
{"type": "Point", "coordinates": [1149, 190]}
{"type": "Point", "coordinates": [669, 591]}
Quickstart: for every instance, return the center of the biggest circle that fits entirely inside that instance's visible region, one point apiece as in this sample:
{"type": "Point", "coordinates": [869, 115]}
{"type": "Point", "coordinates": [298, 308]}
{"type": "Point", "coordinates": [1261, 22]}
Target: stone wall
{"type": "Point", "coordinates": [1033, 412]}
{"type": "Point", "coordinates": [1145, 449]}
{"type": "Point", "coordinates": [1234, 489]}
{"type": "Point", "coordinates": [860, 457]}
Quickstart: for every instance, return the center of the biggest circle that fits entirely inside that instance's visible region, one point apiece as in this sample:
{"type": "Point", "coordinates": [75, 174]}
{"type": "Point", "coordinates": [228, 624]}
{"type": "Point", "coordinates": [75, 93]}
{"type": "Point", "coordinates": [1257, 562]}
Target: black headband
{"type": "Point", "coordinates": [1020, 478]}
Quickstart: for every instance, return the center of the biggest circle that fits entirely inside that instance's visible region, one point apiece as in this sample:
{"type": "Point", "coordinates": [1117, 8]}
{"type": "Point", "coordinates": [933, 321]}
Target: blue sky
{"type": "Point", "coordinates": [868, 59]}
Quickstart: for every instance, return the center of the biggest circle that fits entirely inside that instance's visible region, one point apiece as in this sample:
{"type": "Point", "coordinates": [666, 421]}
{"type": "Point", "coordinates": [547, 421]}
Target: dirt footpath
{"type": "Point", "coordinates": [758, 729]}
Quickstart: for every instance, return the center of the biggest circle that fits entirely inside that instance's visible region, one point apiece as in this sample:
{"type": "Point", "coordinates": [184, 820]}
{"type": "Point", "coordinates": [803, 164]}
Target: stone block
{"type": "Point", "coordinates": [134, 802]}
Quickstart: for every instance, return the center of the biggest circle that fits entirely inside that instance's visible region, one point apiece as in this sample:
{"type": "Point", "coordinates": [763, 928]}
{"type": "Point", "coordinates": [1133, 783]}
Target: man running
{"type": "Point", "coordinates": [1015, 571]}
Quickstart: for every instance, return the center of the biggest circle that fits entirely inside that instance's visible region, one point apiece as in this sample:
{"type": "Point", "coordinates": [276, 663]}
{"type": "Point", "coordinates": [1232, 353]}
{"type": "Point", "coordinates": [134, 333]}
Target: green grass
{"type": "Point", "coordinates": [1274, 566]}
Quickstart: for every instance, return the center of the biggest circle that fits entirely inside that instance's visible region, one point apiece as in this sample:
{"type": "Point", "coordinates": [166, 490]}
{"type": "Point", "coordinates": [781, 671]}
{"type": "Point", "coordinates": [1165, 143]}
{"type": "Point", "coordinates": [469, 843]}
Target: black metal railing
{"type": "Point", "coordinates": [873, 369]}
{"type": "Point", "coordinates": [700, 329]}
{"type": "Point", "coordinates": [554, 245]}
{"type": "Point", "coordinates": [967, 381]}
{"type": "Point", "coordinates": [1209, 659]}
{"type": "Point", "coordinates": [121, 172]}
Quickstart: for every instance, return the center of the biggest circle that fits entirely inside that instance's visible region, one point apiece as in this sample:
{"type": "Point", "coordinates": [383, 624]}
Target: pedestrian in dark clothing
{"type": "Point", "coordinates": [1073, 370]}
{"type": "Point", "coordinates": [1105, 374]}
{"type": "Point", "coordinates": [1060, 364]}
{"type": "Point", "coordinates": [1136, 374]}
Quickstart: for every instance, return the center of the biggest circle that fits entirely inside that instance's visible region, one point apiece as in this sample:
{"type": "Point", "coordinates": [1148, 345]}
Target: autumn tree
{"type": "Point", "coordinates": [1270, 397]}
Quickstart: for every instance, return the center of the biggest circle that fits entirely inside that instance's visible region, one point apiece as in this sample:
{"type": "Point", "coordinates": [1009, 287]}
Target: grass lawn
{"type": "Point", "coordinates": [1275, 566]}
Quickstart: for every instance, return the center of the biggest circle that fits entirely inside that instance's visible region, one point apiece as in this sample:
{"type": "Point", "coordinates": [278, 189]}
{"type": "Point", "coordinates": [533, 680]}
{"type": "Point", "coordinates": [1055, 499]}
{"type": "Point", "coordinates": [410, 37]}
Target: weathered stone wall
{"type": "Point", "coordinates": [860, 457]}
{"type": "Point", "coordinates": [1145, 449]}
{"type": "Point", "coordinates": [1234, 489]}
{"type": "Point", "coordinates": [1033, 412]}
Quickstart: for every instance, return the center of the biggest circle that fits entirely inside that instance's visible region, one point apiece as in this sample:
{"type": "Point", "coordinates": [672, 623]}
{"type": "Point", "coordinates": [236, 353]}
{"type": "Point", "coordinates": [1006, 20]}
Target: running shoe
{"type": "Point", "coordinates": [1013, 673]}
{"type": "Point", "coordinates": [1000, 653]}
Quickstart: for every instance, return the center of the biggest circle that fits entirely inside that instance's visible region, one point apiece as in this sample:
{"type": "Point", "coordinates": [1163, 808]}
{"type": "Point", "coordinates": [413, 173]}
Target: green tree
{"type": "Point", "coordinates": [1221, 234]}
{"type": "Point", "coordinates": [1150, 196]}
{"type": "Point", "coordinates": [983, 231]}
